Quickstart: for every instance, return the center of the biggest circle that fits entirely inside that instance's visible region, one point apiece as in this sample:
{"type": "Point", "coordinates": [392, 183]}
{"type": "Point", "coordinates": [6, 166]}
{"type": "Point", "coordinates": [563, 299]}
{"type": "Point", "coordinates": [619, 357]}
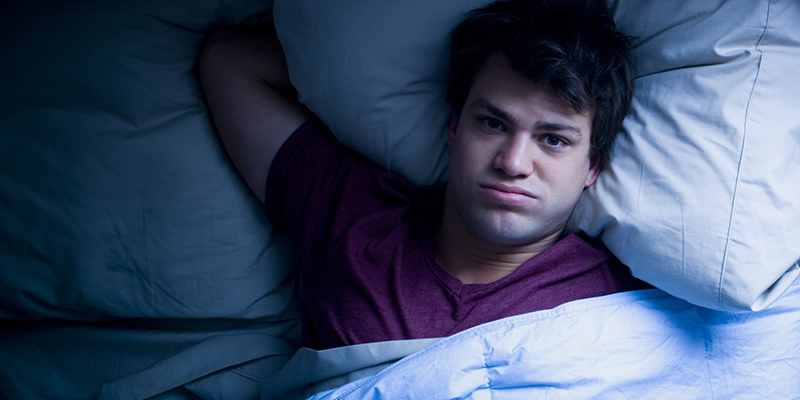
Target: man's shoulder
{"type": "Point", "coordinates": [317, 180]}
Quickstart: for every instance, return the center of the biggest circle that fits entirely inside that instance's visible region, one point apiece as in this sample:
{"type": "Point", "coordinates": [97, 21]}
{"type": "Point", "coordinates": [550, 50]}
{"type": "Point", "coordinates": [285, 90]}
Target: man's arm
{"type": "Point", "coordinates": [254, 106]}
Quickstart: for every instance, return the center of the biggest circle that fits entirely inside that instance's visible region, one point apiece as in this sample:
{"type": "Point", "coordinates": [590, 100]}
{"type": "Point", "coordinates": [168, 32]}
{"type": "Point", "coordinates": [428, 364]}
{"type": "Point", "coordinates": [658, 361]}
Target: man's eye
{"type": "Point", "coordinates": [492, 124]}
{"type": "Point", "coordinates": [553, 140]}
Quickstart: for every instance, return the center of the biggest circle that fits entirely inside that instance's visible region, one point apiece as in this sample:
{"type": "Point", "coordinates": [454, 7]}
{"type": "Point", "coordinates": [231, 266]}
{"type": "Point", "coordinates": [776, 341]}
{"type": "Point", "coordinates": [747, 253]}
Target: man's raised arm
{"type": "Point", "coordinates": [254, 106]}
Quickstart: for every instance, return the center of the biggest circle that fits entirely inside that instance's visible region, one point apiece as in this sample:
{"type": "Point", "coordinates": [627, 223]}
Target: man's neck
{"type": "Point", "coordinates": [471, 260]}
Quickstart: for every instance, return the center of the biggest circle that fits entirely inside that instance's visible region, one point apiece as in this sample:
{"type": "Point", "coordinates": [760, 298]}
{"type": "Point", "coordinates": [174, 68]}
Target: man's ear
{"type": "Point", "coordinates": [451, 131]}
{"type": "Point", "coordinates": [594, 170]}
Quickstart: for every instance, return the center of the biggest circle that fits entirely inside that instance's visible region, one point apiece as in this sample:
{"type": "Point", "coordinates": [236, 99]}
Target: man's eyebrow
{"type": "Point", "coordinates": [494, 110]}
{"type": "Point", "coordinates": [539, 126]}
{"type": "Point", "coordinates": [556, 127]}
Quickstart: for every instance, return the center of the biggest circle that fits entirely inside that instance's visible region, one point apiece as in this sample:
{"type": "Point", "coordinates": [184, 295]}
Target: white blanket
{"type": "Point", "coordinates": [635, 345]}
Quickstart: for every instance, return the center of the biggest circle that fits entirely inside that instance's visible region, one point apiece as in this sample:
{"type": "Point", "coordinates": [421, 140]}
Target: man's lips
{"type": "Point", "coordinates": [507, 194]}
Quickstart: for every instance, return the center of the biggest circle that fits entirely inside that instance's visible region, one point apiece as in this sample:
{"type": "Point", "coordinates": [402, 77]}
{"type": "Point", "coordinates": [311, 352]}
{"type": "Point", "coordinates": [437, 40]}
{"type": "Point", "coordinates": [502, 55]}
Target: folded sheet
{"type": "Point", "coordinates": [311, 371]}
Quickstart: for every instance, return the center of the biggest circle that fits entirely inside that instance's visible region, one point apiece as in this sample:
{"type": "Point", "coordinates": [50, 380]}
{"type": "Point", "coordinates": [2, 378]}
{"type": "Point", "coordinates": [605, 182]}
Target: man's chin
{"type": "Point", "coordinates": [505, 237]}
{"type": "Point", "coordinates": [509, 228]}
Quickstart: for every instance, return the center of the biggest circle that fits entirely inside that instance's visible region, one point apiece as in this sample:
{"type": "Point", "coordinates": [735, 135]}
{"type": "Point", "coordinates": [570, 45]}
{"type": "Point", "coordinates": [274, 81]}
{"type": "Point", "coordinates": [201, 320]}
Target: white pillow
{"type": "Point", "coordinates": [703, 197]}
{"type": "Point", "coordinates": [375, 73]}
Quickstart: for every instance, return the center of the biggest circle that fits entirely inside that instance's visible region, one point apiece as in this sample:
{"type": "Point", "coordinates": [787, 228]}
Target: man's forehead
{"type": "Point", "coordinates": [498, 67]}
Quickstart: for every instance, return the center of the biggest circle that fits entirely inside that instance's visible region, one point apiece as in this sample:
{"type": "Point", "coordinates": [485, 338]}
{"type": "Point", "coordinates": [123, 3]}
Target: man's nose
{"type": "Point", "coordinates": [513, 157]}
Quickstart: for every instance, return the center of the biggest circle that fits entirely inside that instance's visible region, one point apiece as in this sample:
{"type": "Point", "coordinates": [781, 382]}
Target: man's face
{"type": "Point", "coordinates": [519, 159]}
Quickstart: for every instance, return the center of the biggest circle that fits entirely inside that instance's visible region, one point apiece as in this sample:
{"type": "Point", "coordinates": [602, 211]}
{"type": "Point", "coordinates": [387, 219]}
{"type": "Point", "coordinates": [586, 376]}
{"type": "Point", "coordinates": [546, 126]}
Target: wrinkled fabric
{"type": "Point", "coordinates": [634, 345]}
{"type": "Point", "coordinates": [141, 359]}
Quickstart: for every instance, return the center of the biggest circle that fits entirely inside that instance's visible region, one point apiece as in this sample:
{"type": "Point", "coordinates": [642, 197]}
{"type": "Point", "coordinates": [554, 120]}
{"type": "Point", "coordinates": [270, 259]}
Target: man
{"type": "Point", "coordinates": [538, 91]}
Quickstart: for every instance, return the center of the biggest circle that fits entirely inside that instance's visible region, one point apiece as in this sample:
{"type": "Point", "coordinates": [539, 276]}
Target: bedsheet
{"type": "Point", "coordinates": [635, 345]}
{"type": "Point", "coordinates": [134, 263]}
{"type": "Point", "coordinates": [141, 359]}
{"type": "Point", "coordinates": [311, 371]}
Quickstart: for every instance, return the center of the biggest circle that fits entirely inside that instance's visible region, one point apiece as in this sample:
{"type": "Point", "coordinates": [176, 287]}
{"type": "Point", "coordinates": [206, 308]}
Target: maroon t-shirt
{"type": "Point", "coordinates": [367, 253]}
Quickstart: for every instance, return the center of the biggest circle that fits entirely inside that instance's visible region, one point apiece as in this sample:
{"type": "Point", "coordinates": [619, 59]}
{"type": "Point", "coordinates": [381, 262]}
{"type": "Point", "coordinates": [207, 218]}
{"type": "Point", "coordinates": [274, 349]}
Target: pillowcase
{"type": "Point", "coordinates": [117, 199]}
{"type": "Point", "coordinates": [703, 197]}
{"type": "Point", "coordinates": [375, 74]}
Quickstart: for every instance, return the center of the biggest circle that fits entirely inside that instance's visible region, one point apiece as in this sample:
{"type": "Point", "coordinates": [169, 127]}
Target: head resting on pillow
{"type": "Point", "coordinates": [570, 46]}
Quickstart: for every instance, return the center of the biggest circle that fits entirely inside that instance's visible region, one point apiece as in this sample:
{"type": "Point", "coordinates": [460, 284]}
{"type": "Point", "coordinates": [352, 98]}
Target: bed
{"type": "Point", "coordinates": [135, 263]}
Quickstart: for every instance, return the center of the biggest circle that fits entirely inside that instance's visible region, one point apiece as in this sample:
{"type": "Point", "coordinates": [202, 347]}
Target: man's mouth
{"type": "Point", "coordinates": [507, 194]}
